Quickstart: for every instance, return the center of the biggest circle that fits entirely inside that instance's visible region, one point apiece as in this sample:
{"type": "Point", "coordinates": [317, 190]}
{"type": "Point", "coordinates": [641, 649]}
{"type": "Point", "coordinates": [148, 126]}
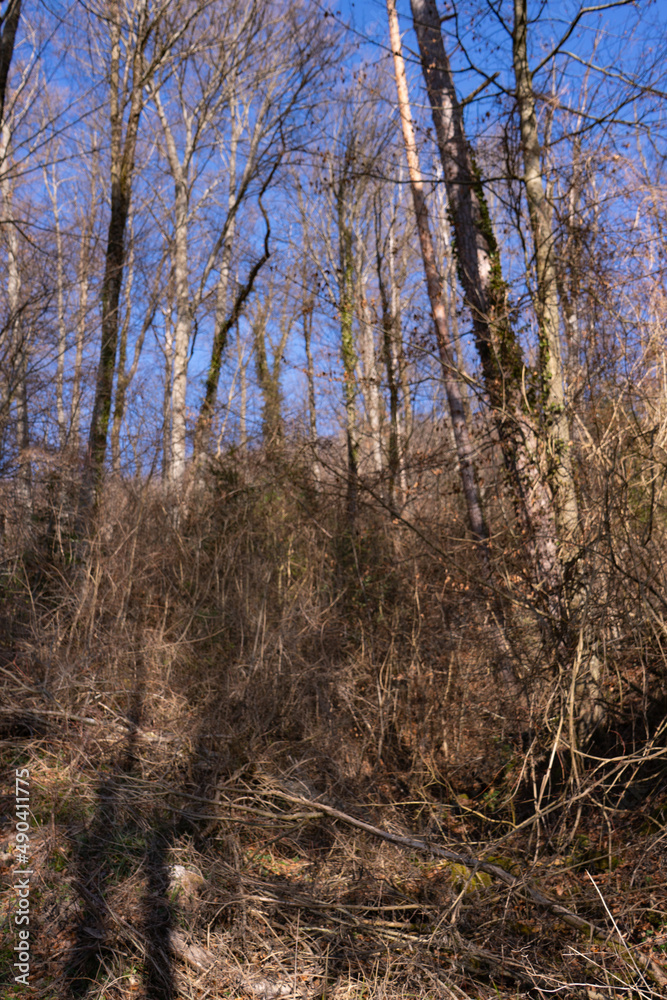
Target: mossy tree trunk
{"type": "Point", "coordinates": [478, 261]}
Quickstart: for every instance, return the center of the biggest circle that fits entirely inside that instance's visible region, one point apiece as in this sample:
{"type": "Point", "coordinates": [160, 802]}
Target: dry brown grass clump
{"type": "Point", "coordinates": [203, 695]}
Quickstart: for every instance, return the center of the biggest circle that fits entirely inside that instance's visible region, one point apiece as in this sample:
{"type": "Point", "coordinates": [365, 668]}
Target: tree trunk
{"type": "Point", "coordinates": [404, 425]}
{"type": "Point", "coordinates": [546, 299]}
{"type": "Point", "coordinates": [243, 402]}
{"type": "Point", "coordinates": [371, 382]}
{"type": "Point", "coordinates": [463, 444]}
{"type": "Point", "coordinates": [181, 335]}
{"type": "Point", "coordinates": [60, 305]}
{"type": "Point", "coordinates": [390, 321]}
{"type": "Point", "coordinates": [83, 282]}
{"type": "Point", "coordinates": [349, 358]}
{"type": "Point", "coordinates": [166, 398]}
{"type": "Point", "coordinates": [18, 342]}
{"type": "Point", "coordinates": [9, 23]}
{"type": "Point", "coordinates": [480, 273]}
{"type": "Point", "coordinates": [122, 380]}
{"type": "Point", "coordinates": [126, 375]}
{"type": "Point", "coordinates": [123, 150]}
{"type": "Point", "coordinates": [307, 317]}
{"type": "Point", "coordinates": [268, 379]}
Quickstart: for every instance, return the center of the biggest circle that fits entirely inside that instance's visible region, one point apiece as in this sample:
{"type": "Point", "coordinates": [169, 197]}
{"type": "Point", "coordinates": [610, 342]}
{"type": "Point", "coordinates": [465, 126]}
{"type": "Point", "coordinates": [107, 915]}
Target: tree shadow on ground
{"type": "Point", "coordinates": [118, 840]}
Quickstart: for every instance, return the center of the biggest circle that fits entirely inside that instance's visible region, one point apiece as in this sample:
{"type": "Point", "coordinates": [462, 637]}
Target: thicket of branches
{"type": "Point", "coordinates": [333, 453]}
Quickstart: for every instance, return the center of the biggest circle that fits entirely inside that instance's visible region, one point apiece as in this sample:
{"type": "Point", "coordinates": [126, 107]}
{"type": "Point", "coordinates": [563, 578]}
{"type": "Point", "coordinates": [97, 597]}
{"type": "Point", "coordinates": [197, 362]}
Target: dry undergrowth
{"type": "Point", "coordinates": [187, 697]}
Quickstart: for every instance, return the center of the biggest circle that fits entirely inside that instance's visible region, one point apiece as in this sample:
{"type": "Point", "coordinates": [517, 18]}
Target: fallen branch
{"type": "Point", "coordinates": [468, 860]}
{"type": "Point", "coordinates": [521, 885]}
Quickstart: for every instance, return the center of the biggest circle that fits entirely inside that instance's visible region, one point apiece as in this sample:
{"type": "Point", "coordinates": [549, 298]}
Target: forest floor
{"type": "Point", "coordinates": [151, 878]}
{"type": "Point", "coordinates": [257, 768]}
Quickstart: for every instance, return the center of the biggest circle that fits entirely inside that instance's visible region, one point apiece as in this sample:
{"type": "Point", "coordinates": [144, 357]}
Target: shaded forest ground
{"type": "Point", "coordinates": [187, 690]}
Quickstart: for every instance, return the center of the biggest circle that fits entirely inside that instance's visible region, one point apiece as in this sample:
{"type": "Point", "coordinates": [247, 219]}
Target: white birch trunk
{"type": "Point", "coordinates": [181, 338]}
{"type": "Point", "coordinates": [179, 169]}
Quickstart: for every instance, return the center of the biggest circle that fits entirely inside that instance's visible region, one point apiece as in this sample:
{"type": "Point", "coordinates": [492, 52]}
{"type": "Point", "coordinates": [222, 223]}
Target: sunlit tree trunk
{"type": "Point", "coordinates": [179, 168]}
{"type": "Point", "coordinates": [166, 397]}
{"type": "Point", "coordinates": [546, 298]}
{"type": "Point", "coordinates": [371, 381]}
{"type": "Point", "coordinates": [480, 272]}
{"type": "Point", "coordinates": [84, 265]}
{"type": "Point", "coordinates": [464, 448]}
{"type": "Point", "coordinates": [17, 335]}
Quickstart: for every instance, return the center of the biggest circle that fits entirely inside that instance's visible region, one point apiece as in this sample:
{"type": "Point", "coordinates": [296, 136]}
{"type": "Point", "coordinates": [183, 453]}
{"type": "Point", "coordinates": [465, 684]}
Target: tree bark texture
{"type": "Point", "coordinates": [18, 336]}
{"type": "Point", "coordinates": [390, 320]}
{"type": "Point", "coordinates": [464, 449]}
{"type": "Point", "coordinates": [123, 152]}
{"type": "Point", "coordinates": [371, 382]}
{"type": "Point", "coordinates": [546, 297]}
{"type": "Point", "coordinates": [9, 23]}
{"type": "Point", "coordinates": [480, 273]}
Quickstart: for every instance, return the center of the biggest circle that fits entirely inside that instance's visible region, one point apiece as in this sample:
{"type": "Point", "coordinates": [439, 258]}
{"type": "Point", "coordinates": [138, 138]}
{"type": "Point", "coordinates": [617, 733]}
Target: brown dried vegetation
{"type": "Point", "coordinates": [192, 694]}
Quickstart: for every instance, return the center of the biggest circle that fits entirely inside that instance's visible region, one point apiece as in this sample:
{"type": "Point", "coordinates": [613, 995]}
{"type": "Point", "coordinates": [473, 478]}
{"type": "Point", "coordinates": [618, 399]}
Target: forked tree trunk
{"type": "Point", "coordinates": [268, 377]}
{"type": "Point", "coordinates": [585, 684]}
{"type": "Point", "coordinates": [464, 449]}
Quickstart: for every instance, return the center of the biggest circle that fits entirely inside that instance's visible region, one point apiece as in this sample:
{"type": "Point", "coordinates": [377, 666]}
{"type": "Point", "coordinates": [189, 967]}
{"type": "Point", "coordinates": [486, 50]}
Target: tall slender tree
{"type": "Point", "coordinates": [546, 297]}
{"type": "Point", "coordinates": [479, 266]}
{"type": "Point", "coordinates": [464, 448]}
{"type": "Point", "coordinates": [139, 40]}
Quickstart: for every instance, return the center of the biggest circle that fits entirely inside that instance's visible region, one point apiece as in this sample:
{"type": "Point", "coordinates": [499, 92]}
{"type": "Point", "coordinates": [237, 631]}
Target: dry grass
{"type": "Point", "coordinates": [172, 682]}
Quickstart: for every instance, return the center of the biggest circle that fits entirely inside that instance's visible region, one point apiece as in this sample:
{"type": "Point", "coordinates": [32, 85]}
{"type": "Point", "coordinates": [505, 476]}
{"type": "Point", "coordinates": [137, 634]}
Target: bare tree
{"type": "Point", "coordinates": [139, 38]}
{"type": "Point", "coordinates": [480, 271]}
{"type": "Point", "coordinates": [464, 447]}
{"type": "Point", "coordinates": [546, 299]}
